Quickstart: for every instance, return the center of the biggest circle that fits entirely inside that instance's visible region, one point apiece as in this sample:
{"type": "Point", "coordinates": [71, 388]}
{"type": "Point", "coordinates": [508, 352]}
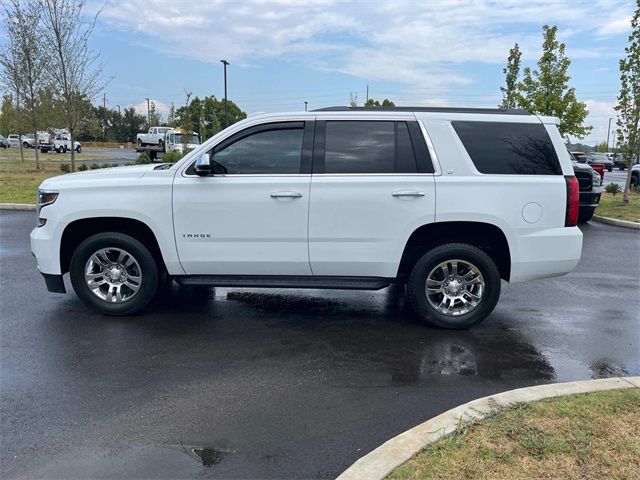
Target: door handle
{"type": "Point", "coordinates": [408, 193]}
{"type": "Point", "coordinates": [285, 195]}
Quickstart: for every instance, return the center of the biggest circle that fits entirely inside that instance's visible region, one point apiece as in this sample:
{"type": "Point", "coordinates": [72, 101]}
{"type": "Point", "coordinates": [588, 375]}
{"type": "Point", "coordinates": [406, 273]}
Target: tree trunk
{"type": "Point", "coordinates": [627, 183]}
{"type": "Point", "coordinates": [19, 127]}
{"type": "Point", "coordinates": [35, 136]}
{"type": "Point", "coordinates": [73, 151]}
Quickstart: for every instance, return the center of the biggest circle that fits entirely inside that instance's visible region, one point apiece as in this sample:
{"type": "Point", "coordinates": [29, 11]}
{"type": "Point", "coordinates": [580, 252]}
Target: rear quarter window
{"type": "Point", "coordinates": [509, 148]}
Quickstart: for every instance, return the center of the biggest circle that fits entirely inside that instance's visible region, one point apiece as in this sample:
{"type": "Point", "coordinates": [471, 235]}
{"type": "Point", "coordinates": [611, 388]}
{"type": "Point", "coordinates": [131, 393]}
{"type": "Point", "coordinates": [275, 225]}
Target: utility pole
{"type": "Point", "coordinates": [104, 101]}
{"type": "Point", "coordinates": [148, 114]}
{"type": "Point", "coordinates": [367, 93]}
{"type": "Point", "coordinates": [305, 106]}
{"type": "Point", "coordinates": [226, 113]}
{"type": "Point", "coordinates": [609, 133]}
{"type": "Point", "coordinates": [104, 118]}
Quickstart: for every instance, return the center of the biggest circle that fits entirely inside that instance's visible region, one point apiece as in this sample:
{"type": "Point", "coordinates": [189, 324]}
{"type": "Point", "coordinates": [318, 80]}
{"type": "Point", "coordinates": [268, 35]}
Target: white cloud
{"type": "Point", "coordinates": [599, 114]}
{"type": "Point", "coordinates": [618, 23]}
{"type": "Point", "coordinates": [141, 107]}
{"type": "Point", "coordinates": [419, 44]}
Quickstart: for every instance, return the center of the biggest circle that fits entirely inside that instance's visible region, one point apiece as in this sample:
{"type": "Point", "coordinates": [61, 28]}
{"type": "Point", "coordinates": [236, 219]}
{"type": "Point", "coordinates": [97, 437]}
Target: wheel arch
{"type": "Point", "coordinates": [486, 236]}
{"type": "Point", "coordinates": [79, 230]}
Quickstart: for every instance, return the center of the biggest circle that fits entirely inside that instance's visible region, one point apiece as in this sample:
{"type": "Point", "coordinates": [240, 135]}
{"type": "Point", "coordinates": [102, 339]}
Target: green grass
{"type": "Point", "coordinates": [589, 436]}
{"type": "Point", "coordinates": [612, 207]}
{"type": "Point", "coordinates": [13, 154]}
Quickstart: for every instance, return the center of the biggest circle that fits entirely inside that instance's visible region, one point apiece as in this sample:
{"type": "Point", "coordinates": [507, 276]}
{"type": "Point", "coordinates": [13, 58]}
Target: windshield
{"type": "Point", "coordinates": [195, 140]}
{"type": "Point", "coordinates": [163, 130]}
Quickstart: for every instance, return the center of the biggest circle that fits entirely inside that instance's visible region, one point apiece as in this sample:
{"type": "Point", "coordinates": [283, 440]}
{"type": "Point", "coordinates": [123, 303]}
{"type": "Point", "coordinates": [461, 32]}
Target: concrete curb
{"type": "Point", "coordinates": [393, 453]}
{"type": "Point", "coordinates": [17, 206]}
{"type": "Point", "coordinates": [616, 222]}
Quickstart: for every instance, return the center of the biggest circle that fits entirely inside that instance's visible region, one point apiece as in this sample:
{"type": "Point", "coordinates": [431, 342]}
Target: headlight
{"type": "Point", "coordinates": [45, 197]}
{"type": "Point", "coordinates": [597, 180]}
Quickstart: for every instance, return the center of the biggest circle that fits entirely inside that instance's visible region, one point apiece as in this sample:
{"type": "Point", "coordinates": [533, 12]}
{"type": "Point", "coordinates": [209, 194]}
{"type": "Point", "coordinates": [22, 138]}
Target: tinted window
{"type": "Point", "coordinates": [359, 147]}
{"type": "Point", "coordinates": [509, 148]}
{"type": "Point", "coordinates": [266, 152]}
{"type": "Point", "coordinates": [405, 156]}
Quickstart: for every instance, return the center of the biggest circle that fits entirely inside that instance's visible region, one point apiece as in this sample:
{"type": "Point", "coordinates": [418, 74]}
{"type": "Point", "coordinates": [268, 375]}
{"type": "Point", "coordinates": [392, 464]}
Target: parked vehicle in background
{"type": "Point", "coordinates": [4, 143]}
{"type": "Point", "coordinates": [59, 141]}
{"type": "Point", "coordinates": [174, 140]}
{"type": "Point", "coordinates": [600, 158]}
{"type": "Point", "coordinates": [155, 136]}
{"type": "Point", "coordinates": [345, 198]}
{"type": "Point", "coordinates": [590, 186]}
{"type": "Point", "coordinates": [14, 140]}
{"type": "Point", "coordinates": [619, 162]}
{"type": "Point", "coordinates": [635, 175]}
{"type": "Point", "coordinates": [579, 156]}
{"type": "Point", "coordinates": [29, 141]}
{"type": "Point", "coordinates": [177, 140]}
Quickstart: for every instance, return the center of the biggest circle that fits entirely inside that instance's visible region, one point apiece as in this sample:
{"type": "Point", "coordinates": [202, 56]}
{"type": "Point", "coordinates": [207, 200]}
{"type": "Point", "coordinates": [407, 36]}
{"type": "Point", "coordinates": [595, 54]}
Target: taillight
{"type": "Point", "coordinates": [573, 200]}
{"type": "Point", "coordinates": [598, 167]}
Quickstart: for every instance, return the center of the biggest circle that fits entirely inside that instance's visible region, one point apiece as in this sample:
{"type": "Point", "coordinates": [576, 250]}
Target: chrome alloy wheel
{"type": "Point", "coordinates": [113, 275]}
{"type": "Point", "coordinates": [454, 287]}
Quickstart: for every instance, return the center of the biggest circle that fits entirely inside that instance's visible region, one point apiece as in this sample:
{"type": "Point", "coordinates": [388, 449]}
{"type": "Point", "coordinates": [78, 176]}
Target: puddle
{"type": "Point", "coordinates": [209, 456]}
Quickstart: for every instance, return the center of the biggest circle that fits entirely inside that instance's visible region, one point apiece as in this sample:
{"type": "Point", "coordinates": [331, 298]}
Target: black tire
{"type": "Point", "coordinates": [79, 149]}
{"type": "Point", "coordinates": [438, 255]}
{"type": "Point", "coordinates": [140, 144]}
{"type": "Point", "coordinates": [635, 179]}
{"type": "Point", "coordinates": [585, 214]}
{"type": "Point", "coordinates": [609, 169]}
{"type": "Point", "coordinates": [161, 145]}
{"type": "Point", "coordinates": [149, 273]}
{"type": "Point", "coordinates": [60, 149]}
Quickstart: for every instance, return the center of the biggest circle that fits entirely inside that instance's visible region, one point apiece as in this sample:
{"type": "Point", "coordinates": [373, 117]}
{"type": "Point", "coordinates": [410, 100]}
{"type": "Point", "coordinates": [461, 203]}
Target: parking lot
{"type": "Point", "coordinates": [280, 383]}
{"type": "Point", "coordinates": [615, 176]}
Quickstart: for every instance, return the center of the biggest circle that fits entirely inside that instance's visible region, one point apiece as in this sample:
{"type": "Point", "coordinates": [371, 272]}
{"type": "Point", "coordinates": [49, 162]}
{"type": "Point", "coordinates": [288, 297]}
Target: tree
{"type": "Point", "coordinates": [205, 115]}
{"type": "Point", "coordinates": [628, 106]}
{"type": "Point", "coordinates": [546, 90]}
{"type": "Point", "coordinates": [601, 147]}
{"type": "Point", "coordinates": [353, 100]}
{"type": "Point", "coordinates": [154, 116]}
{"type": "Point", "coordinates": [375, 103]}
{"type": "Point", "coordinates": [512, 74]}
{"type": "Point", "coordinates": [74, 73]}
{"type": "Point", "coordinates": [132, 123]}
{"type": "Point", "coordinates": [25, 42]}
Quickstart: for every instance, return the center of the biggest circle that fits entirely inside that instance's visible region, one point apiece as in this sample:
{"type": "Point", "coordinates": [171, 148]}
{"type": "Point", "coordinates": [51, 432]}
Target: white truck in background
{"type": "Point", "coordinates": [155, 136]}
{"type": "Point", "coordinates": [58, 141]}
{"type": "Point", "coordinates": [173, 139]}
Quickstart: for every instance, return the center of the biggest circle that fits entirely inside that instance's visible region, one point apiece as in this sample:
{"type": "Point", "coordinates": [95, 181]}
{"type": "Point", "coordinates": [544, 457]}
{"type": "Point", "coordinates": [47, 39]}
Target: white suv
{"type": "Point", "coordinates": [447, 201]}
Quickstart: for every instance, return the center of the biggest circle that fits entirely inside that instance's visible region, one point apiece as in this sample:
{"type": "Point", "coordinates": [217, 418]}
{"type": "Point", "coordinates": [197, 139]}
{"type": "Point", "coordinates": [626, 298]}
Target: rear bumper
{"type": "Point", "coordinates": [546, 253]}
{"type": "Point", "coordinates": [54, 283]}
{"type": "Point", "coordinates": [590, 199]}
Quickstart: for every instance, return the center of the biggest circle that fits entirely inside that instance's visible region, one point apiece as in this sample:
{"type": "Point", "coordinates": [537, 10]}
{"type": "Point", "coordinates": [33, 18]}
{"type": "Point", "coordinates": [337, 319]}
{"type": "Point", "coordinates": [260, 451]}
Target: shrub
{"type": "Point", "coordinates": [94, 166]}
{"type": "Point", "coordinates": [143, 159]}
{"type": "Point", "coordinates": [612, 188]}
{"type": "Point", "coordinates": [83, 167]}
{"type": "Point", "coordinates": [65, 167]}
{"type": "Point", "coordinates": [172, 157]}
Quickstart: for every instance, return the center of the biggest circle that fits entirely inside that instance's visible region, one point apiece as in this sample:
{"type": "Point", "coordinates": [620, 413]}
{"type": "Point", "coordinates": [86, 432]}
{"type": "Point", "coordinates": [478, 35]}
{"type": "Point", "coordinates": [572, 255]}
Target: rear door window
{"type": "Point", "coordinates": [371, 146]}
{"type": "Point", "coordinates": [509, 148]}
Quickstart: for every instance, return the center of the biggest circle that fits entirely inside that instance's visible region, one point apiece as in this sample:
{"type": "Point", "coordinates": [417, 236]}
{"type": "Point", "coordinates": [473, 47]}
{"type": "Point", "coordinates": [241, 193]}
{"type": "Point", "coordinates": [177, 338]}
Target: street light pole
{"type": "Point", "coordinates": [305, 106]}
{"type": "Point", "coordinates": [148, 114]}
{"type": "Point", "coordinates": [226, 113]}
{"type": "Point", "coordinates": [609, 133]}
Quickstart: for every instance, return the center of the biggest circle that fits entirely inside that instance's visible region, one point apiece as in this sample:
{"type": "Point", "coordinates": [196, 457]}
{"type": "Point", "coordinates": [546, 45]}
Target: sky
{"type": "Point", "coordinates": [285, 52]}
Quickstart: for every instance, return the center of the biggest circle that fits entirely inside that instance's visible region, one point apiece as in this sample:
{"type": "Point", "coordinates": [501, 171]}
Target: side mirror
{"type": "Point", "coordinates": [203, 165]}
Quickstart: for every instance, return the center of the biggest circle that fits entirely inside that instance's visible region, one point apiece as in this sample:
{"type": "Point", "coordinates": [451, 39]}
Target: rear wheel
{"type": "Point", "coordinates": [584, 215]}
{"type": "Point", "coordinates": [60, 149]}
{"type": "Point", "coordinates": [454, 286]}
{"type": "Point", "coordinates": [114, 273]}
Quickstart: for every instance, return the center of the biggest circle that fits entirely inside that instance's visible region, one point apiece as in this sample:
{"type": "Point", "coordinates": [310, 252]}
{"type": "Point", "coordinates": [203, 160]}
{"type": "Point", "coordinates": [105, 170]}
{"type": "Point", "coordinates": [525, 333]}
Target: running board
{"type": "Point", "coordinates": [285, 281]}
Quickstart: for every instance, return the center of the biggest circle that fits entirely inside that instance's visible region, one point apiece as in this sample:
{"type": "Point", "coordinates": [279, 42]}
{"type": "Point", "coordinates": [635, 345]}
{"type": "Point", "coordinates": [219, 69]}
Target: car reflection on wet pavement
{"type": "Point", "coordinates": [280, 383]}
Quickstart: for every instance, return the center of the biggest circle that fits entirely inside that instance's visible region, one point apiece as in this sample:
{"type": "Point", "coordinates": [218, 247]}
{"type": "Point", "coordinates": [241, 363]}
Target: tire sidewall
{"type": "Point", "coordinates": [148, 267]}
{"type": "Point", "coordinates": [432, 258]}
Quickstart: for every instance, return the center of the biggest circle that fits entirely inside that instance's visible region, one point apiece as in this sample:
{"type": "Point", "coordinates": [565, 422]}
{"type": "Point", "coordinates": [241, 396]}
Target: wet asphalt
{"type": "Point", "coordinates": [280, 383]}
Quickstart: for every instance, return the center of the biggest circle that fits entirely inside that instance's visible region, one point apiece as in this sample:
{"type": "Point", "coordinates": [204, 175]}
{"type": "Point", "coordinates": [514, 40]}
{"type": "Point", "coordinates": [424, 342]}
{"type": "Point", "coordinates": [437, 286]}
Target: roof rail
{"type": "Point", "coordinates": [500, 111]}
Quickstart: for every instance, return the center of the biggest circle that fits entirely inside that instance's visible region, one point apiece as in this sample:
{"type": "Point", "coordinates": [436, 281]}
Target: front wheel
{"type": "Point", "coordinates": [454, 286]}
{"type": "Point", "coordinates": [586, 214]}
{"type": "Point", "coordinates": [635, 180]}
{"type": "Point", "coordinates": [114, 273]}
